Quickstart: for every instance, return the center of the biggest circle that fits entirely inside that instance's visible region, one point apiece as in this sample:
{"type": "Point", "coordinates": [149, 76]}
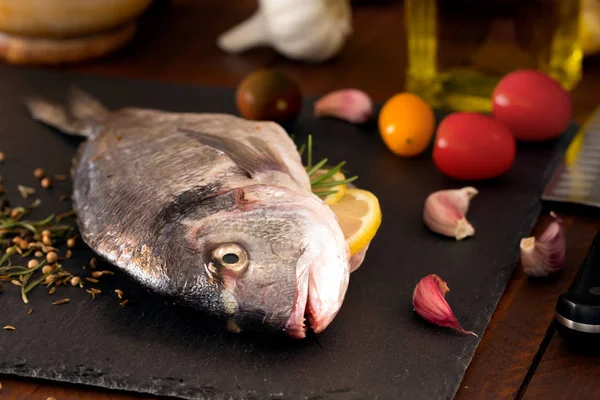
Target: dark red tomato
{"type": "Point", "coordinates": [532, 105]}
{"type": "Point", "coordinates": [470, 146]}
{"type": "Point", "coordinates": [269, 95]}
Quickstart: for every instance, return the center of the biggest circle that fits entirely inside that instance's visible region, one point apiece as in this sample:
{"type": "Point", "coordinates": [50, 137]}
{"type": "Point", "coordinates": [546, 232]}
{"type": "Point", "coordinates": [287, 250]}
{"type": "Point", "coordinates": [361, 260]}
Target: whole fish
{"type": "Point", "coordinates": [213, 209]}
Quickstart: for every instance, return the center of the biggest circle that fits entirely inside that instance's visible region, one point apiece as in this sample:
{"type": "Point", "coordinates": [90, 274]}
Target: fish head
{"type": "Point", "coordinates": [274, 256]}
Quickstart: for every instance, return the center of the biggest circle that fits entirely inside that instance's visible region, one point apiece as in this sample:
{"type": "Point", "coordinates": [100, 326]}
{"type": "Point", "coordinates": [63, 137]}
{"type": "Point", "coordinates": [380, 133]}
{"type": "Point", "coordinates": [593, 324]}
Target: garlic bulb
{"type": "Point", "coordinates": [308, 30]}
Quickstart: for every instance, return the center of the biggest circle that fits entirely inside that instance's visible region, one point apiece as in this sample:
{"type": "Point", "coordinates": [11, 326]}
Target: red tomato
{"type": "Point", "coordinates": [470, 146]}
{"type": "Point", "coordinates": [532, 105]}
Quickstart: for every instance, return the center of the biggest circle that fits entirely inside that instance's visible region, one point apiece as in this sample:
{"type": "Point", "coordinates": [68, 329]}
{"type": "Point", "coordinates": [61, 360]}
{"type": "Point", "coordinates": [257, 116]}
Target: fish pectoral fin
{"type": "Point", "coordinates": [254, 157]}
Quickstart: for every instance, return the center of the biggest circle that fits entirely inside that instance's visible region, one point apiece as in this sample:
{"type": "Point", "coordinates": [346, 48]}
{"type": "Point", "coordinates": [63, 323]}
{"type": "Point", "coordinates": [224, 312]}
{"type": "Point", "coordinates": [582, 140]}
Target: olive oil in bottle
{"type": "Point", "coordinates": [458, 50]}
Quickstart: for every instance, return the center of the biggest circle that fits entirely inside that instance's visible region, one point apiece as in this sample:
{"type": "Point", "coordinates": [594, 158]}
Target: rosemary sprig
{"type": "Point", "coordinates": [14, 226]}
{"type": "Point", "coordinates": [322, 181]}
{"type": "Point", "coordinates": [21, 238]}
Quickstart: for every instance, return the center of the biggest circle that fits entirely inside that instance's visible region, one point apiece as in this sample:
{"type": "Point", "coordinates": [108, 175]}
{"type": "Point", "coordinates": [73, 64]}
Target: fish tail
{"type": "Point", "coordinates": [78, 118]}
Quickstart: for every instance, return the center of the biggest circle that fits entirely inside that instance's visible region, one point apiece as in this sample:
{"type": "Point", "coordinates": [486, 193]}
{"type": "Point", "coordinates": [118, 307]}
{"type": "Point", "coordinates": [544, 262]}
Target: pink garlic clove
{"type": "Point", "coordinates": [545, 255]}
{"type": "Point", "coordinates": [445, 210]}
{"type": "Point", "coordinates": [352, 105]}
{"type": "Point", "coordinates": [430, 303]}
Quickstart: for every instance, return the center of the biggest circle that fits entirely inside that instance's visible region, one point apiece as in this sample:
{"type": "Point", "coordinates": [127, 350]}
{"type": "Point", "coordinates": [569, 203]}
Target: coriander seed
{"type": "Point", "coordinates": [33, 264]}
{"type": "Point", "coordinates": [46, 269]}
{"type": "Point", "coordinates": [46, 183]}
{"type": "Point", "coordinates": [51, 257]}
{"type": "Point", "coordinates": [71, 242]}
{"type": "Point", "coordinates": [39, 173]}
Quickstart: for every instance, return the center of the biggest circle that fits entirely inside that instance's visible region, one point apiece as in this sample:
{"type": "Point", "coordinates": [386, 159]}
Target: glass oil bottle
{"type": "Point", "coordinates": [458, 50]}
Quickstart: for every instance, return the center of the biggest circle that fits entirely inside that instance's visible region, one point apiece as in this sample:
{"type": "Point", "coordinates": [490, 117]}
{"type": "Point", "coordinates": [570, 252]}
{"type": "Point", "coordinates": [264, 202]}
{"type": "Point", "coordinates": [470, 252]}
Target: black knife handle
{"type": "Point", "coordinates": [579, 308]}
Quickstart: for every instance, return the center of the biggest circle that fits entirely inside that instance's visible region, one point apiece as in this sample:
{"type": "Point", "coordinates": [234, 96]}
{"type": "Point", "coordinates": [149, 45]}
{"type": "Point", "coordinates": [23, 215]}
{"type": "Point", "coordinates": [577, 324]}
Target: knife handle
{"type": "Point", "coordinates": [579, 308]}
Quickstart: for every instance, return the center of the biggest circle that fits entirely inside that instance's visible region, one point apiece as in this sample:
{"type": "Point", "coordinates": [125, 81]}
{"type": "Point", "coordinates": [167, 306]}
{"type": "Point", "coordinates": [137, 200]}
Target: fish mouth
{"type": "Point", "coordinates": [317, 302]}
{"type": "Point", "coordinates": [296, 324]}
{"type": "Point", "coordinates": [322, 275]}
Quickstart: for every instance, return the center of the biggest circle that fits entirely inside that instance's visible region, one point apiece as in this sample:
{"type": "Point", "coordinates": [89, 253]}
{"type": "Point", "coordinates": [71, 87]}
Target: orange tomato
{"type": "Point", "coordinates": [406, 124]}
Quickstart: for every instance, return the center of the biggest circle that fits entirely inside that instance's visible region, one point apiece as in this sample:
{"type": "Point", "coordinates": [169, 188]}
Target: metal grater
{"type": "Point", "coordinates": [576, 178]}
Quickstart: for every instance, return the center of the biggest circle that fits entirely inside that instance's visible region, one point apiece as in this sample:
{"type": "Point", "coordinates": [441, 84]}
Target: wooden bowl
{"type": "Point", "coordinates": [63, 31]}
{"type": "Point", "coordinates": [66, 18]}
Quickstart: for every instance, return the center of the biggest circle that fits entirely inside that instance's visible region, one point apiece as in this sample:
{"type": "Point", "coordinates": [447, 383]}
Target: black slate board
{"type": "Point", "coordinates": [376, 347]}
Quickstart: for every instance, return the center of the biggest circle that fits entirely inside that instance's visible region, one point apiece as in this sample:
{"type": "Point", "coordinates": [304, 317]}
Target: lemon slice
{"type": "Point", "coordinates": [359, 216]}
{"type": "Point", "coordinates": [339, 190]}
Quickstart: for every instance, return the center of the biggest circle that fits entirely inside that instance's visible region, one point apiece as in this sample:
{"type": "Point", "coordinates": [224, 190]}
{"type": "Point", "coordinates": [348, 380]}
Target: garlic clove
{"type": "Point", "coordinates": [430, 303]}
{"type": "Point", "coordinates": [545, 255]}
{"type": "Point", "coordinates": [352, 105]}
{"type": "Point", "coordinates": [445, 210]}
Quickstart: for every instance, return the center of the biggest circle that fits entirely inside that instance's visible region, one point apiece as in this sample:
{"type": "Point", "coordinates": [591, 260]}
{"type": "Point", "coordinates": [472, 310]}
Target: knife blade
{"type": "Point", "coordinates": [576, 178]}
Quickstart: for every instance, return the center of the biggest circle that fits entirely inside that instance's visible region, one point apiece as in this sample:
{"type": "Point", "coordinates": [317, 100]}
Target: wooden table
{"type": "Point", "coordinates": [521, 355]}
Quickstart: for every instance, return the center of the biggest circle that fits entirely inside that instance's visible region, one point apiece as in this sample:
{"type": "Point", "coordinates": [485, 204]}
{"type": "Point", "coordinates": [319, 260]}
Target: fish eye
{"type": "Point", "coordinates": [230, 256]}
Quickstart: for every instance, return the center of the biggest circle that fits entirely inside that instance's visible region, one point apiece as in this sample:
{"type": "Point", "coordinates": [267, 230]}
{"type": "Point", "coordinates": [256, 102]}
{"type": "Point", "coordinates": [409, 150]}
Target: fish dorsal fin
{"type": "Point", "coordinates": [254, 157]}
